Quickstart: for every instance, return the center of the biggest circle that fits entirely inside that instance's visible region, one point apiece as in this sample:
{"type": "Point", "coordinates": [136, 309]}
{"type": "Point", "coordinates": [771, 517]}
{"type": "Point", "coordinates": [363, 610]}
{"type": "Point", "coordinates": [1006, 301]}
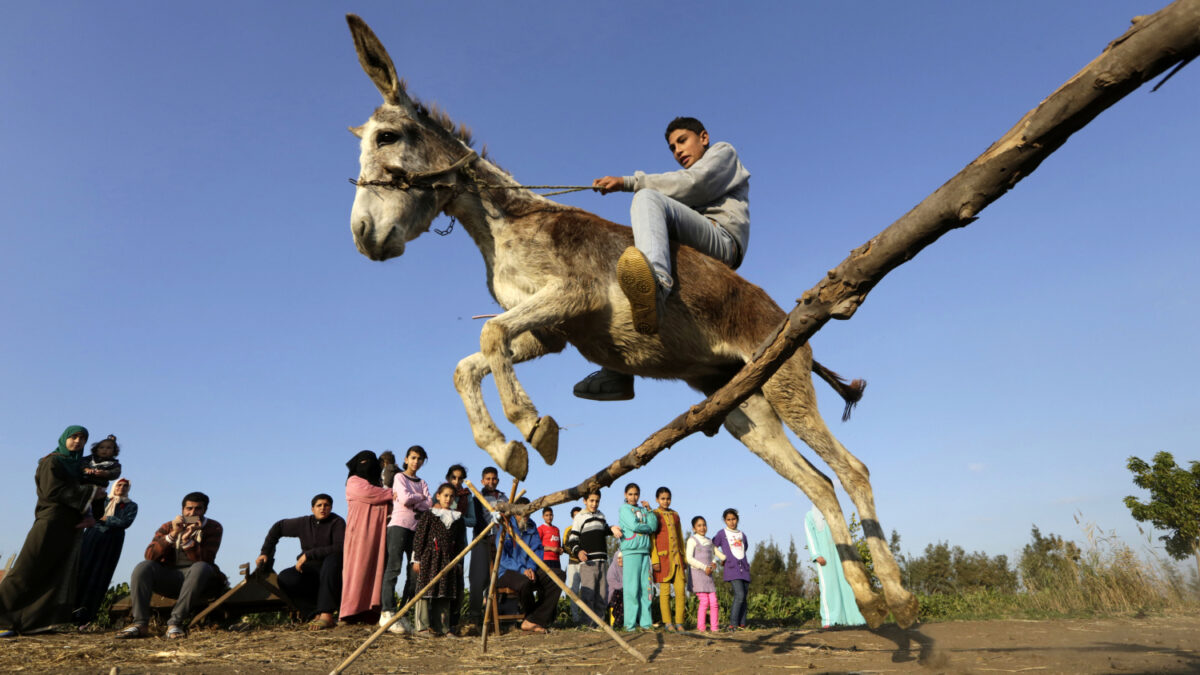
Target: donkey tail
{"type": "Point", "coordinates": [851, 392]}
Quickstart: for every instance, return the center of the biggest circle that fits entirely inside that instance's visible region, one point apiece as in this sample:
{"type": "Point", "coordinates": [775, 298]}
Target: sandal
{"type": "Point", "coordinates": [605, 385]}
{"type": "Point", "coordinates": [132, 631]}
{"type": "Point", "coordinates": [321, 624]}
{"type": "Point", "coordinates": [533, 629]}
{"type": "Point", "coordinates": [175, 632]}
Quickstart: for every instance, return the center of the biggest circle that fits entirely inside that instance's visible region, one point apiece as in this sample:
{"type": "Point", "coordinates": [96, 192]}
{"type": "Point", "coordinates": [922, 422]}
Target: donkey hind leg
{"type": "Point", "coordinates": [756, 425]}
{"type": "Point", "coordinates": [548, 307]}
{"type": "Point", "coordinates": [791, 394]}
{"type": "Point", "coordinates": [468, 376]}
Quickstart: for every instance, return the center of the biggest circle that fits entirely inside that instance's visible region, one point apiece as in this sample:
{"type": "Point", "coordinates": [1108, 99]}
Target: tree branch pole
{"type": "Point", "coordinates": [417, 596]}
{"type": "Point", "coordinates": [490, 599]}
{"type": "Point", "coordinates": [1152, 44]}
{"type": "Point", "coordinates": [562, 584]}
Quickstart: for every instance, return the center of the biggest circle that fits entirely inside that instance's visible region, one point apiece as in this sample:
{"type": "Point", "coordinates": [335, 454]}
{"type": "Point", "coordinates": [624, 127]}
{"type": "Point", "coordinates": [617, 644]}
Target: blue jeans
{"type": "Point", "coordinates": [658, 220]}
{"type": "Point", "coordinates": [737, 613]}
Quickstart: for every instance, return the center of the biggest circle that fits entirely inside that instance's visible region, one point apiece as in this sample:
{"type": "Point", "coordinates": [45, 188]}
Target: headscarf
{"type": "Point", "coordinates": [110, 508]}
{"type": "Point", "coordinates": [70, 460]}
{"type": "Point", "coordinates": [365, 465]}
{"type": "Point", "coordinates": [818, 519]}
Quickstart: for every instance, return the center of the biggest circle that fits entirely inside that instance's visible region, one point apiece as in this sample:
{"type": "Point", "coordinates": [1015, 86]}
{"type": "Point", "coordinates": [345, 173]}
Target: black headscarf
{"type": "Point", "coordinates": [365, 465]}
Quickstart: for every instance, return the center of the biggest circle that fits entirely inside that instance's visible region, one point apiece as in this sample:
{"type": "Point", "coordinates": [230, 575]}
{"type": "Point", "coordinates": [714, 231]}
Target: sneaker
{"type": "Point", "coordinates": [605, 385]}
{"type": "Point", "coordinates": [637, 281]}
{"type": "Point", "coordinates": [401, 627]}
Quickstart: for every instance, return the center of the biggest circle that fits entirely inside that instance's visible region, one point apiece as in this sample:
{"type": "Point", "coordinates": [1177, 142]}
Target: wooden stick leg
{"type": "Point", "coordinates": [563, 585]}
{"type": "Point", "coordinates": [375, 636]}
{"type": "Point", "coordinates": [490, 604]}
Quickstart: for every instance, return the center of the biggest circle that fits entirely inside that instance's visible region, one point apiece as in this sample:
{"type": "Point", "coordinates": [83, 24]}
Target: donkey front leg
{"type": "Point", "coordinates": [540, 310]}
{"type": "Point", "coordinates": [510, 456]}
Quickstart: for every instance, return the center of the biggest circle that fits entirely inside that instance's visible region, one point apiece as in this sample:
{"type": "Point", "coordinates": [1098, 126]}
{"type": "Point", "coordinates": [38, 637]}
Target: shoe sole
{"type": "Point", "coordinates": [637, 282]}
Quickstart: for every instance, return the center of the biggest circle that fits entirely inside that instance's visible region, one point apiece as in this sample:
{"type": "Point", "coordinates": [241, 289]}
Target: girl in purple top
{"type": "Point", "coordinates": [736, 546]}
{"type": "Point", "coordinates": [410, 498]}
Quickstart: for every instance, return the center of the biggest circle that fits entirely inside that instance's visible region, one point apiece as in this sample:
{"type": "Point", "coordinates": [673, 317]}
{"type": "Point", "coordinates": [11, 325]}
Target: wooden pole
{"type": "Point", "coordinates": [375, 636]}
{"type": "Point", "coordinates": [489, 605]}
{"type": "Point", "coordinates": [490, 598]}
{"type": "Point", "coordinates": [562, 584]}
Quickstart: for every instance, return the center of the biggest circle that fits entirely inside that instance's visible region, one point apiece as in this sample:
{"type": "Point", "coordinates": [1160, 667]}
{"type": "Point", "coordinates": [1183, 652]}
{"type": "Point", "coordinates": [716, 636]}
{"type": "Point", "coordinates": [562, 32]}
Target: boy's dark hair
{"type": "Point", "coordinates": [522, 500]}
{"type": "Point", "coordinates": [698, 518]}
{"type": "Point", "coordinates": [198, 497]}
{"type": "Point", "coordinates": [661, 491]}
{"type": "Point", "coordinates": [320, 497]}
{"type": "Point", "coordinates": [690, 123]}
{"type": "Point", "coordinates": [593, 491]}
{"type": "Point", "coordinates": [575, 510]}
{"type": "Point", "coordinates": [547, 510]}
{"type": "Point", "coordinates": [632, 485]}
{"type": "Point", "coordinates": [729, 511]}
{"type": "Point", "coordinates": [111, 439]}
{"type": "Point", "coordinates": [456, 467]}
{"type": "Point", "coordinates": [490, 469]}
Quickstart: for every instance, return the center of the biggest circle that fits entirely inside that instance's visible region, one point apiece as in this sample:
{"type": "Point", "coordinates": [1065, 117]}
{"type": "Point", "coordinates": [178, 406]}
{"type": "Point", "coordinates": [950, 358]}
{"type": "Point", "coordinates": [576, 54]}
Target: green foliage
{"type": "Point", "coordinates": [864, 551]}
{"type": "Point", "coordinates": [773, 573]}
{"type": "Point", "coordinates": [1174, 503]}
{"type": "Point", "coordinates": [943, 568]}
{"type": "Point", "coordinates": [1048, 561]}
{"type": "Point", "coordinates": [114, 593]}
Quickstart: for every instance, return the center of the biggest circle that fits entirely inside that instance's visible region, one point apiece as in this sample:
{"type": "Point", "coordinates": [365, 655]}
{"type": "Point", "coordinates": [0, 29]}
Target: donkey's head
{"type": "Point", "coordinates": [405, 149]}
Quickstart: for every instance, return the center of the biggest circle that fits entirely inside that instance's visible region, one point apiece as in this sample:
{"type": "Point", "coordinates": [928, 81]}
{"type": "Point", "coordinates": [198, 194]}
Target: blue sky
{"type": "Point", "coordinates": [176, 265]}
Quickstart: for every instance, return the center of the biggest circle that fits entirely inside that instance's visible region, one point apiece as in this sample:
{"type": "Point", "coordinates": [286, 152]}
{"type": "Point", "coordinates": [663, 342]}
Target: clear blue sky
{"type": "Point", "coordinates": [176, 264]}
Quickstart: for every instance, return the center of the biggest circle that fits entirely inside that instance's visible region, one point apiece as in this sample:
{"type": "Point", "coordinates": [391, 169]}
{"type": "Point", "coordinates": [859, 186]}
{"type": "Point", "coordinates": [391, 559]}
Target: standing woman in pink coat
{"type": "Point", "coordinates": [367, 503]}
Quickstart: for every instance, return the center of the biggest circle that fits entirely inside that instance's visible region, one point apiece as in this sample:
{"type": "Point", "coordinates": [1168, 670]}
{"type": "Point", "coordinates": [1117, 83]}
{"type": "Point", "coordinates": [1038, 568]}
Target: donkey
{"type": "Point", "coordinates": [553, 270]}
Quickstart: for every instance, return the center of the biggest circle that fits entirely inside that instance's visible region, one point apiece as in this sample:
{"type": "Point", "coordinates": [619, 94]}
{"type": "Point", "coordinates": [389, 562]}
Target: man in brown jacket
{"type": "Point", "coordinates": [180, 563]}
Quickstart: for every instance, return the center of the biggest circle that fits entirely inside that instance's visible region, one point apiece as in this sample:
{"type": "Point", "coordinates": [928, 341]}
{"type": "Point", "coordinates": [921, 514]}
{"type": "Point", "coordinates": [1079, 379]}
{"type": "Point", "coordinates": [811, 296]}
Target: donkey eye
{"type": "Point", "coordinates": [386, 138]}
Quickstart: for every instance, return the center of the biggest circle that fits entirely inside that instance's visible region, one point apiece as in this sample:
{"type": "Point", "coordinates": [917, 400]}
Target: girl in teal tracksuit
{"type": "Point", "coordinates": [638, 524]}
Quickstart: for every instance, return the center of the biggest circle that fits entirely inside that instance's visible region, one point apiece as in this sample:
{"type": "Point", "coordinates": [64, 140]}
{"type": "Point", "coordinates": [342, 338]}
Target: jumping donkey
{"type": "Point", "coordinates": [553, 270]}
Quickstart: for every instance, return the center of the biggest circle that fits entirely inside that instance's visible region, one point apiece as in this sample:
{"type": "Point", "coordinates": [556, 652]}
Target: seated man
{"type": "Point", "coordinates": [706, 205]}
{"type": "Point", "coordinates": [521, 574]}
{"type": "Point", "coordinates": [314, 583]}
{"type": "Point", "coordinates": [179, 564]}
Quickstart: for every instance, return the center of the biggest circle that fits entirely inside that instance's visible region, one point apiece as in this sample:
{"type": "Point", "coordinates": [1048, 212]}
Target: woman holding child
{"type": "Point", "coordinates": [38, 591]}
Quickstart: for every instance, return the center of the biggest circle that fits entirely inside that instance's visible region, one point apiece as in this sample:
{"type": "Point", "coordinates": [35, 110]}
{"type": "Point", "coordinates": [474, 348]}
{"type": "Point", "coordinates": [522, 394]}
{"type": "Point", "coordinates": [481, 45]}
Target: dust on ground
{"type": "Point", "coordinates": [1156, 644]}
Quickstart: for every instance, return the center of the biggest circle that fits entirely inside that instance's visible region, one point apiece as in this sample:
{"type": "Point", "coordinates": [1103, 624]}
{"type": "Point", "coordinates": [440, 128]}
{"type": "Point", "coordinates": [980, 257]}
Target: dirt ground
{"type": "Point", "coordinates": [1154, 644]}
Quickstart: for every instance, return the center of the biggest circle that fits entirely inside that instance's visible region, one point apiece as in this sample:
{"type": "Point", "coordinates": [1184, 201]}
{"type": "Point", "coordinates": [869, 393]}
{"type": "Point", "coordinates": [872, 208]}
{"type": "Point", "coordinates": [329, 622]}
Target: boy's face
{"type": "Point", "coordinates": [490, 480]}
{"type": "Point", "coordinates": [548, 517]}
{"type": "Point", "coordinates": [631, 495]}
{"type": "Point", "coordinates": [664, 500]}
{"type": "Point", "coordinates": [322, 508]}
{"type": "Point", "coordinates": [687, 146]}
{"type": "Point", "coordinates": [592, 503]}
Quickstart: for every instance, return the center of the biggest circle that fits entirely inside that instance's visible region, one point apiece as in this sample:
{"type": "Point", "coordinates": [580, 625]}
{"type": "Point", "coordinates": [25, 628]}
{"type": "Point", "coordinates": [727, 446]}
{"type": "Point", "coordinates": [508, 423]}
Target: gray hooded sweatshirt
{"type": "Point", "coordinates": [717, 186]}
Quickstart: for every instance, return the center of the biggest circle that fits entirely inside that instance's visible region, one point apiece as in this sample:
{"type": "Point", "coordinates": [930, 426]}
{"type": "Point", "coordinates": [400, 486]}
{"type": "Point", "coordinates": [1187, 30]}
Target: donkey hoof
{"type": "Point", "coordinates": [906, 612]}
{"type": "Point", "coordinates": [517, 462]}
{"type": "Point", "coordinates": [544, 438]}
{"type": "Point", "coordinates": [875, 613]}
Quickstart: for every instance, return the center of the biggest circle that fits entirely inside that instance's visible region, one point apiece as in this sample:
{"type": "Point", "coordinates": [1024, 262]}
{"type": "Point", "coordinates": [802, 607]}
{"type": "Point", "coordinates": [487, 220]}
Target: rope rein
{"type": "Point", "coordinates": [403, 180]}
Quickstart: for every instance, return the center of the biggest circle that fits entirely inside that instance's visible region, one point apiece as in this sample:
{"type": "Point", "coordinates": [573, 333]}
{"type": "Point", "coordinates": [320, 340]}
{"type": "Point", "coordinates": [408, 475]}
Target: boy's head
{"type": "Point", "coordinates": [490, 477]}
{"type": "Point", "coordinates": [548, 516]}
{"type": "Point", "coordinates": [591, 501]}
{"type": "Point", "coordinates": [688, 140]}
{"type": "Point", "coordinates": [575, 510]}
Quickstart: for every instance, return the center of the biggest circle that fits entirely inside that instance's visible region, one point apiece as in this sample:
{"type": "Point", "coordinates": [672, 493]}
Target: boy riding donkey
{"type": "Point", "coordinates": [705, 205]}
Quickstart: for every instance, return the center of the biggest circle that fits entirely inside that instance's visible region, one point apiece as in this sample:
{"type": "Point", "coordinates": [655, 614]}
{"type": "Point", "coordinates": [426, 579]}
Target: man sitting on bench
{"type": "Point", "coordinates": [314, 583]}
{"type": "Point", "coordinates": [521, 574]}
{"type": "Point", "coordinates": [179, 564]}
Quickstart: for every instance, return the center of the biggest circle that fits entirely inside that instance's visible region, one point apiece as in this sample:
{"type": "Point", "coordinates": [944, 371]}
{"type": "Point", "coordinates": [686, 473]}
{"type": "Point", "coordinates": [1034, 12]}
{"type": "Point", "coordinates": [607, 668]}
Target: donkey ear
{"type": "Point", "coordinates": [357, 131]}
{"type": "Point", "coordinates": [376, 62]}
